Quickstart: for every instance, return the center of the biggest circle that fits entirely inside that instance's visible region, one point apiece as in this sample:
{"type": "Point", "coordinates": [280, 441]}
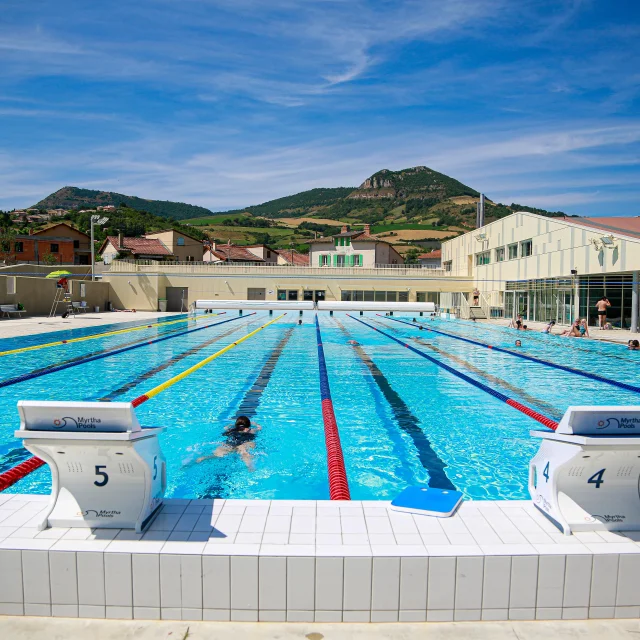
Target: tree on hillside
{"type": "Point", "coordinates": [7, 243]}
{"type": "Point", "coordinates": [411, 257]}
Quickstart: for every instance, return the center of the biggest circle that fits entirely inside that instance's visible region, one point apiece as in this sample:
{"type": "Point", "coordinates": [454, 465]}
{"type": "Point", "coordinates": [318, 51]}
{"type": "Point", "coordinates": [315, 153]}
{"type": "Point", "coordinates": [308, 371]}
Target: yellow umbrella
{"type": "Point", "coordinates": [59, 274]}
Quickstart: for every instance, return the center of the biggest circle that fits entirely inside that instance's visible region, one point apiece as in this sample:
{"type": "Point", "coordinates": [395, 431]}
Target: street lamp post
{"type": "Point", "coordinates": [95, 220]}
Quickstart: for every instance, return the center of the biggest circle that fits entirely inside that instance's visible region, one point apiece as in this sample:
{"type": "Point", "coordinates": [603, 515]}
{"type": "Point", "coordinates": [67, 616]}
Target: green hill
{"type": "Point", "coordinates": [299, 203]}
{"type": "Point", "coordinates": [75, 198]}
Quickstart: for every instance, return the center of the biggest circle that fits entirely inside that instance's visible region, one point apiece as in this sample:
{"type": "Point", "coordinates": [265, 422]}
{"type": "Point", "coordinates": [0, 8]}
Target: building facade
{"type": "Point", "coordinates": [352, 249]}
{"type": "Point", "coordinates": [551, 268]}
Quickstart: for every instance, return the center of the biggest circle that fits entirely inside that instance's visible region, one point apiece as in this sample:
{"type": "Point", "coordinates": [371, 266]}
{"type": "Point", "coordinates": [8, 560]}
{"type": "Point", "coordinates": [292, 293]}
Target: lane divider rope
{"type": "Point", "coordinates": [561, 367]}
{"type": "Point", "coordinates": [95, 336]}
{"type": "Point", "coordinates": [338, 483]}
{"type": "Point", "coordinates": [67, 365]}
{"type": "Point", "coordinates": [18, 472]}
{"type": "Point", "coordinates": [547, 422]}
{"type": "Point", "coordinates": [169, 383]}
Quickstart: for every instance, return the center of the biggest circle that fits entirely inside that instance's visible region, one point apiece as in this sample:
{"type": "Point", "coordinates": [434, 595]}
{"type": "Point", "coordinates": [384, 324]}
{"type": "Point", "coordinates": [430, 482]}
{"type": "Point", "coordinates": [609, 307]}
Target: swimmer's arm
{"type": "Point", "coordinates": [256, 427]}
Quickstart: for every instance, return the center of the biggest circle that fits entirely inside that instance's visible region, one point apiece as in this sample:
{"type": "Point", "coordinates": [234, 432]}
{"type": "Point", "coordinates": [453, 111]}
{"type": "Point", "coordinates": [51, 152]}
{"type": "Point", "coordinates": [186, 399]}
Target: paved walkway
{"type": "Point", "coordinates": [10, 328]}
{"type": "Point", "coordinates": [621, 336]}
{"type": "Point", "coordinates": [71, 629]}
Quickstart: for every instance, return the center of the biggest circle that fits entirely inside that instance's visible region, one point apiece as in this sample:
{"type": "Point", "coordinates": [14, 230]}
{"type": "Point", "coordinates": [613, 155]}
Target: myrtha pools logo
{"type": "Point", "coordinates": [622, 423]}
{"type": "Point", "coordinates": [78, 423]}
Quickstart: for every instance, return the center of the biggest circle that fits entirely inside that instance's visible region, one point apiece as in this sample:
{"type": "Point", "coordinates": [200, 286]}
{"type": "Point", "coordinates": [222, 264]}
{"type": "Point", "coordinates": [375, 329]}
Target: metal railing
{"type": "Point", "coordinates": [258, 268]}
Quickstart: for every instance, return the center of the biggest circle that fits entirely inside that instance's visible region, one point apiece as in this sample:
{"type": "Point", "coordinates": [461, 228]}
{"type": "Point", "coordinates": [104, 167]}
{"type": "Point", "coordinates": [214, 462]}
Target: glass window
{"type": "Point", "coordinates": [483, 258]}
{"type": "Point", "coordinates": [324, 260]}
{"type": "Point", "coordinates": [368, 296]}
{"type": "Point", "coordinates": [307, 295]}
{"type": "Point", "coordinates": [11, 285]}
{"type": "Point", "coordinates": [319, 295]}
{"type": "Point", "coordinates": [83, 290]}
{"type": "Point", "coordinates": [500, 254]}
{"type": "Point", "coordinates": [358, 296]}
{"type": "Point", "coordinates": [292, 295]}
{"type": "Point", "coordinates": [76, 244]}
{"type": "Point", "coordinates": [392, 296]}
{"type": "Point", "coordinates": [340, 261]}
{"type": "Point", "coordinates": [181, 242]}
{"type": "Point", "coordinates": [19, 247]}
{"type": "Point", "coordinates": [513, 251]}
{"type": "Point", "coordinates": [54, 248]}
{"type": "Point", "coordinates": [357, 260]}
{"type": "Point", "coordinates": [447, 265]}
{"type": "Point", "coordinates": [526, 248]}
{"type": "Point", "coordinates": [379, 296]}
{"type": "Point", "coordinates": [346, 296]}
{"type": "Point", "coordinates": [403, 296]}
{"type": "Point", "coordinates": [282, 295]}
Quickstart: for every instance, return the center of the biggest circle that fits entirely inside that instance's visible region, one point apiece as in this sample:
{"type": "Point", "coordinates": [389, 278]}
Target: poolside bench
{"type": "Point", "coordinates": [80, 306]}
{"type": "Point", "coordinates": [9, 309]}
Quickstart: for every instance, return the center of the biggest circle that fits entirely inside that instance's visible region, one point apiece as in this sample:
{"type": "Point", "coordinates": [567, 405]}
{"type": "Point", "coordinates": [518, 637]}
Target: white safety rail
{"type": "Point", "coordinates": [107, 471]}
{"type": "Point", "coordinates": [324, 305]}
{"type": "Point", "coordinates": [255, 305]}
{"type": "Point", "coordinates": [586, 474]}
{"type": "Point", "coordinates": [409, 307]}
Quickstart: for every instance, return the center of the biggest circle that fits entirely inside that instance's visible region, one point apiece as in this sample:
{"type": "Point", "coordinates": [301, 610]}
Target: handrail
{"type": "Point", "coordinates": [465, 310]}
{"type": "Point", "coordinates": [485, 306]}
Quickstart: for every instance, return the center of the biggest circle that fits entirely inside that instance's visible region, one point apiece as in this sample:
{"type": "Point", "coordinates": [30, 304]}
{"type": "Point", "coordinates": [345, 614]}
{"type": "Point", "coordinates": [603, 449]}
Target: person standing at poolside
{"type": "Point", "coordinates": [476, 297]}
{"type": "Point", "coordinates": [601, 306]}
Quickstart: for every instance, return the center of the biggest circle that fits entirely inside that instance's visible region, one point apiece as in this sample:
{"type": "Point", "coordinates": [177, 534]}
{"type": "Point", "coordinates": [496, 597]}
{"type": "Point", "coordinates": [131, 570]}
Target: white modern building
{"type": "Point", "coordinates": [552, 268]}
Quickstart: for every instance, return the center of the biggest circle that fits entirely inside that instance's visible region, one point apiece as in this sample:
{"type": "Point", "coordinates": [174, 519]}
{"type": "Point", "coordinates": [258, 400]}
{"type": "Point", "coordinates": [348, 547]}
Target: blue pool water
{"type": "Point", "coordinates": [403, 420]}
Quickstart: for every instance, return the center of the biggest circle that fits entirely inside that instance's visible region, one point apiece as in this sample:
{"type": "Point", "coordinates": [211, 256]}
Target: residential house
{"type": "Point", "coordinates": [433, 259]}
{"type": "Point", "coordinates": [56, 235]}
{"type": "Point", "coordinates": [32, 248]}
{"type": "Point", "coordinates": [291, 257]}
{"type": "Point", "coordinates": [229, 252]}
{"type": "Point", "coordinates": [184, 248]}
{"type": "Point", "coordinates": [133, 249]}
{"type": "Point", "coordinates": [352, 249]}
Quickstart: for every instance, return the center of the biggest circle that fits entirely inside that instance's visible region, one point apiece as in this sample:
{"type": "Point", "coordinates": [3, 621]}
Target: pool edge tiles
{"type": "Point", "coordinates": [252, 560]}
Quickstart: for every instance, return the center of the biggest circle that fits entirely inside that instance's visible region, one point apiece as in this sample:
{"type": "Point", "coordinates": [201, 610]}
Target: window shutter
{"type": "Point", "coordinates": [320, 260]}
{"type": "Point", "coordinates": [335, 259]}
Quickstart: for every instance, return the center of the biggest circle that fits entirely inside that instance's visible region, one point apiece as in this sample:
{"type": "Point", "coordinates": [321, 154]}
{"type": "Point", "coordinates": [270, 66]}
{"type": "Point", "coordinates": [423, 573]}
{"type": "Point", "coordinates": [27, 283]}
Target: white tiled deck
{"type": "Point", "coordinates": [317, 560]}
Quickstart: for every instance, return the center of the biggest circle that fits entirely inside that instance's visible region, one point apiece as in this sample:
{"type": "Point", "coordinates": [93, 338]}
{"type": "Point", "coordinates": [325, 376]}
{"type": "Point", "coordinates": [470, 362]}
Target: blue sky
{"type": "Point", "coordinates": [226, 103]}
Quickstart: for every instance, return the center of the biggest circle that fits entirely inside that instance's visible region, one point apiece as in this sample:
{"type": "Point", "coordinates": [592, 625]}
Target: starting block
{"type": "Point", "coordinates": [586, 474]}
{"type": "Point", "coordinates": [107, 471]}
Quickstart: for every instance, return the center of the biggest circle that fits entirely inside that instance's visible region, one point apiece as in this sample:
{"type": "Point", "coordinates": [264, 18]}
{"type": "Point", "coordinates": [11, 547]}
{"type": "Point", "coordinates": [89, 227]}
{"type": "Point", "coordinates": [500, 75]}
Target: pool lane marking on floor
{"type": "Point", "coordinates": [169, 383]}
{"type": "Point", "coordinates": [13, 455]}
{"type": "Point", "coordinates": [108, 350]}
{"type": "Point", "coordinates": [105, 354]}
{"type": "Point", "coordinates": [338, 482]}
{"type": "Point", "coordinates": [407, 422]}
{"type": "Point", "coordinates": [584, 374]}
{"type": "Point", "coordinates": [17, 473]}
{"type": "Point", "coordinates": [547, 422]}
{"type": "Point", "coordinates": [248, 406]}
{"type": "Point", "coordinates": [95, 336]}
{"type": "Point", "coordinates": [165, 365]}
{"type": "Point", "coordinates": [488, 376]}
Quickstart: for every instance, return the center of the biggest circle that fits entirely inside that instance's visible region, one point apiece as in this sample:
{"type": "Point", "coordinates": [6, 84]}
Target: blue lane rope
{"type": "Point", "coordinates": [584, 374]}
{"type": "Point", "coordinates": [30, 376]}
{"type": "Point", "coordinates": [496, 394]}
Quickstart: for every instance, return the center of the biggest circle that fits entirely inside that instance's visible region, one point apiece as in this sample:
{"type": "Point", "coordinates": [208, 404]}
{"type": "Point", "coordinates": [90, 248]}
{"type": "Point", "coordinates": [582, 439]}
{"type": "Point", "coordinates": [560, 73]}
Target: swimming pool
{"type": "Point", "coordinates": [402, 418]}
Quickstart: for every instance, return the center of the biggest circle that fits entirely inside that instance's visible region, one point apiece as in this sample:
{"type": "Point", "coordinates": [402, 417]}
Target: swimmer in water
{"type": "Point", "coordinates": [518, 343]}
{"type": "Point", "coordinates": [240, 438]}
{"type": "Point", "coordinates": [353, 342]}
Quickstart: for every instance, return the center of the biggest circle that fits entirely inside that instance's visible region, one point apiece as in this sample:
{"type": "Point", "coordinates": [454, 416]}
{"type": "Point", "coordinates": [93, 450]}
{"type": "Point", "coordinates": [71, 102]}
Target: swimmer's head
{"type": "Point", "coordinates": [518, 343]}
{"type": "Point", "coordinates": [242, 422]}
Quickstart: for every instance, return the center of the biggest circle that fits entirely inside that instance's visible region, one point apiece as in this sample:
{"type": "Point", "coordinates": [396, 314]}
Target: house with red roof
{"type": "Point", "coordinates": [134, 249]}
{"type": "Point", "coordinates": [229, 252]}
{"type": "Point", "coordinates": [433, 259]}
{"type": "Point", "coordinates": [352, 249]}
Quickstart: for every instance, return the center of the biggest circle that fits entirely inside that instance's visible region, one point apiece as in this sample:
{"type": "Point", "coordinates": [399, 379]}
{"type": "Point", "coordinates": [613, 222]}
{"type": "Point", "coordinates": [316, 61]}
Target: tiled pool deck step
{"type": "Point", "coordinates": [316, 560]}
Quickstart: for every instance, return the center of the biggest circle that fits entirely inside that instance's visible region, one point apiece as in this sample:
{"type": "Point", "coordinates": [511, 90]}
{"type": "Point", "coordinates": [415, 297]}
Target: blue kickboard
{"type": "Point", "coordinates": [427, 501]}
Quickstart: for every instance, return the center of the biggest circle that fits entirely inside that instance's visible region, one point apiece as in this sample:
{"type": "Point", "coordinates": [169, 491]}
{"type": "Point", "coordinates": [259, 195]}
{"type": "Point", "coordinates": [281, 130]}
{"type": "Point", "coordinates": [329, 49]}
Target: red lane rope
{"type": "Point", "coordinates": [18, 472]}
{"type": "Point", "coordinates": [338, 483]}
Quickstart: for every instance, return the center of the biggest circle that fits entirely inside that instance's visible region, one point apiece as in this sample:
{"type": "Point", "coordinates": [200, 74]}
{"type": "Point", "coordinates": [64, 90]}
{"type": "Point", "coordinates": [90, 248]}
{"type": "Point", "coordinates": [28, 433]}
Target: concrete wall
{"type": "Point", "coordinates": [139, 287]}
{"type": "Point", "coordinates": [36, 294]}
{"type": "Point", "coordinates": [558, 247]}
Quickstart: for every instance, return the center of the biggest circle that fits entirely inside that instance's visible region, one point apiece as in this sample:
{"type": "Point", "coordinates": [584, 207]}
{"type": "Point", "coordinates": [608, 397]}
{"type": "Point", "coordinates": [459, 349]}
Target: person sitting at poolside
{"type": "Point", "coordinates": [518, 343]}
{"type": "Point", "coordinates": [550, 326]}
{"type": "Point", "coordinates": [573, 331]}
{"type": "Point", "coordinates": [633, 345]}
{"type": "Point", "coordinates": [583, 329]}
{"type": "Point", "coordinates": [516, 322]}
{"type": "Point", "coordinates": [240, 438]}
